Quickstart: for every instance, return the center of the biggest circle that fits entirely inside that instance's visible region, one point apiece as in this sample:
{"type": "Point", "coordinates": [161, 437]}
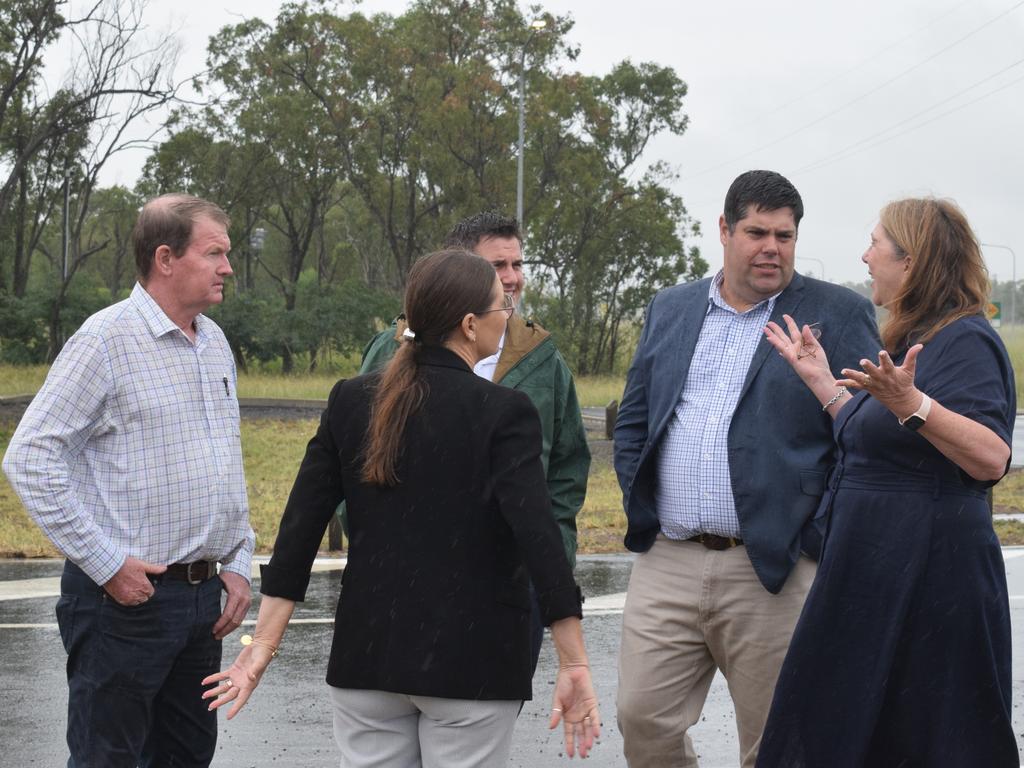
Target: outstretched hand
{"type": "Point", "coordinates": [800, 348]}
{"type": "Point", "coordinates": [574, 704]}
{"type": "Point", "coordinates": [890, 384]}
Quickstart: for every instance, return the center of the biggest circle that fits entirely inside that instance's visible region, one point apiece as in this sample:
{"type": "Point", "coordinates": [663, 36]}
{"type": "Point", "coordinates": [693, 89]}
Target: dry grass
{"type": "Point", "coordinates": [1008, 496]}
{"type": "Point", "coordinates": [1013, 338]}
{"type": "Point", "coordinates": [315, 386]}
{"type": "Point", "coordinates": [271, 449]}
{"type": "Point", "coordinates": [598, 391]}
{"type": "Point", "coordinates": [21, 379]}
{"type": "Point", "coordinates": [601, 523]}
{"type": "Point", "coordinates": [19, 536]}
{"type": "Point", "coordinates": [272, 452]}
{"type": "Point", "coordinates": [1010, 532]}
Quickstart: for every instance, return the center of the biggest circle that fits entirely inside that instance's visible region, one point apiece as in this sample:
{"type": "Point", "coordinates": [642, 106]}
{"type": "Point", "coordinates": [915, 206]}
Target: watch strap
{"type": "Point", "coordinates": [920, 416]}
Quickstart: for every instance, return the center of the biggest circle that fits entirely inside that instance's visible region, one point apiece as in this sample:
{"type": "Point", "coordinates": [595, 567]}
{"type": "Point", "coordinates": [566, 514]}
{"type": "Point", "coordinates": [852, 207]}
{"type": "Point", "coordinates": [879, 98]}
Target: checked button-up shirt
{"type": "Point", "coordinates": [132, 446]}
{"type": "Point", "coordinates": [694, 493]}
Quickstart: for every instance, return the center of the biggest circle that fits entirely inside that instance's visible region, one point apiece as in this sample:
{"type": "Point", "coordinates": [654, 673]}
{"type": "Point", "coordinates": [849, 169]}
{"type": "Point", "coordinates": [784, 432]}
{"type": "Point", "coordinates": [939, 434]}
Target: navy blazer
{"type": "Point", "coordinates": [780, 441]}
{"type": "Point", "coordinates": [434, 598]}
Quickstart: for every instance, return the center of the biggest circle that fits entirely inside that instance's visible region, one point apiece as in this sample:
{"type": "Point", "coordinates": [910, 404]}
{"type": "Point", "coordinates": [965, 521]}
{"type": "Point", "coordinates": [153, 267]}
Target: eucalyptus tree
{"type": "Point", "coordinates": [424, 110]}
{"type": "Point", "coordinates": [113, 79]}
{"type": "Point", "coordinates": [606, 231]}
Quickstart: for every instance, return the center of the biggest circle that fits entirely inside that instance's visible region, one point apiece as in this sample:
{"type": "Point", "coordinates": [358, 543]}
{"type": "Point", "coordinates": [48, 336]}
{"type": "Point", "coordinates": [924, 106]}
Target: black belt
{"type": "Point", "coordinates": [193, 573]}
{"type": "Point", "coordinates": [717, 543]}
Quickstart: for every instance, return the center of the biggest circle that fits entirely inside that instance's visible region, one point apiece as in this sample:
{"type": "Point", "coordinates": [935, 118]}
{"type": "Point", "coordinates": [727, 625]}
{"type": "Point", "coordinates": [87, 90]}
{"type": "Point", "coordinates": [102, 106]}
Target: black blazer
{"type": "Point", "coordinates": [434, 599]}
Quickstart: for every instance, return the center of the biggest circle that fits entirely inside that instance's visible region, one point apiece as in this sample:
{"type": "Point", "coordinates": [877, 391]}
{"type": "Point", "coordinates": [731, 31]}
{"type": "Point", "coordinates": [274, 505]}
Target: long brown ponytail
{"type": "Point", "coordinates": [442, 288]}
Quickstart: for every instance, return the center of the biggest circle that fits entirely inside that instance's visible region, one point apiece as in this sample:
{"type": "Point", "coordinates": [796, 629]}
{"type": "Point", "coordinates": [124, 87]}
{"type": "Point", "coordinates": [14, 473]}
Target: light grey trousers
{"type": "Point", "coordinates": [378, 728]}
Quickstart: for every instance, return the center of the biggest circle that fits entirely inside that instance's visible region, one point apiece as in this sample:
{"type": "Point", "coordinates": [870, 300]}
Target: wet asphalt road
{"type": "Point", "coordinates": [288, 723]}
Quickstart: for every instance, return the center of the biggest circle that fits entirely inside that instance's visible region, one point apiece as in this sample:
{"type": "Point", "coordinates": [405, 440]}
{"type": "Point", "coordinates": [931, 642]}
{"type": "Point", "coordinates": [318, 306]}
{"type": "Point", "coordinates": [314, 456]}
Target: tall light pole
{"type": "Point", "coordinates": [256, 239]}
{"type": "Point", "coordinates": [1013, 291]}
{"type": "Point", "coordinates": [535, 26]}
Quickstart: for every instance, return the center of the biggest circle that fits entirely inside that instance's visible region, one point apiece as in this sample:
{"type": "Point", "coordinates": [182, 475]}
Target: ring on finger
{"type": "Point", "coordinates": [229, 683]}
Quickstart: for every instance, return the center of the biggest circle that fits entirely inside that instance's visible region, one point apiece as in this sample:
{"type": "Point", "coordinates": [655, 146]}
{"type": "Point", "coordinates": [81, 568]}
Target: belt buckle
{"type": "Point", "coordinates": [188, 573]}
{"type": "Point", "coordinates": [717, 543]}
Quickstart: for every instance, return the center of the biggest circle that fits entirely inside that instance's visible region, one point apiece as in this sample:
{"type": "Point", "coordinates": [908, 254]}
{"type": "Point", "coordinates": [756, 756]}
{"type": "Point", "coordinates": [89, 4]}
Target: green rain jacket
{"type": "Point", "coordinates": [530, 363]}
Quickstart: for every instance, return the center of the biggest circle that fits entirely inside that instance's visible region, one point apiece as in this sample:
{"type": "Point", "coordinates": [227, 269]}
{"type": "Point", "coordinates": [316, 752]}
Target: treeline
{"type": "Point", "coordinates": [343, 147]}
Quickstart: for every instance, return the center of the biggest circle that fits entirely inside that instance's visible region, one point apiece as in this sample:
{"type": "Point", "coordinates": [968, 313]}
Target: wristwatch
{"type": "Point", "coordinates": [917, 419]}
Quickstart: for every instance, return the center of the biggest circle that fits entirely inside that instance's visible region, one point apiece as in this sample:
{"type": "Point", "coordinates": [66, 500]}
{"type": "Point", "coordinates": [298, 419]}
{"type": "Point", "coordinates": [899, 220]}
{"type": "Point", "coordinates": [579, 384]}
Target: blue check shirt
{"type": "Point", "coordinates": [132, 446]}
{"type": "Point", "coordinates": [694, 492]}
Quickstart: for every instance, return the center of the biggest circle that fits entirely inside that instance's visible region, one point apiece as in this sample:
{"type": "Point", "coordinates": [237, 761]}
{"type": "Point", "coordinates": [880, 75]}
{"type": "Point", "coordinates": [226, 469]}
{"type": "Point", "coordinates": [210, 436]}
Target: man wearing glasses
{"type": "Point", "coordinates": [722, 464]}
{"type": "Point", "coordinates": [526, 360]}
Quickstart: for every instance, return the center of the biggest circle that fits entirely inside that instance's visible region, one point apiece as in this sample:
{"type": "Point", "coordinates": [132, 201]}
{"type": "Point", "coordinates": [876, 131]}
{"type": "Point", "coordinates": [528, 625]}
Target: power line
{"type": "Point", "coordinates": [856, 147]}
{"type": "Point", "coordinates": [828, 161]}
{"type": "Point", "coordinates": [867, 59]}
{"type": "Point", "coordinates": [857, 99]}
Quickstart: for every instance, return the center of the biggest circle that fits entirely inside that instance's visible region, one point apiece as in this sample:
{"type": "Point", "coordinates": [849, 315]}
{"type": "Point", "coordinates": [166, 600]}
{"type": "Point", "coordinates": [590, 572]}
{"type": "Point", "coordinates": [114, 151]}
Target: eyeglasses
{"type": "Point", "coordinates": [508, 309]}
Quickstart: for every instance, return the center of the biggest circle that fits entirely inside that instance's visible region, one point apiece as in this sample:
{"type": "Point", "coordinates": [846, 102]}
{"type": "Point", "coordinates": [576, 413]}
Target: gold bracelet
{"type": "Point", "coordinates": [248, 640]}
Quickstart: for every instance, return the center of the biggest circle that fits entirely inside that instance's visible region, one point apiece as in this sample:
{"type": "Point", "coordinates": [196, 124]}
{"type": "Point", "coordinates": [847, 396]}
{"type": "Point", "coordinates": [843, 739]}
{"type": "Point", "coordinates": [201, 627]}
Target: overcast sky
{"type": "Point", "coordinates": [856, 104]}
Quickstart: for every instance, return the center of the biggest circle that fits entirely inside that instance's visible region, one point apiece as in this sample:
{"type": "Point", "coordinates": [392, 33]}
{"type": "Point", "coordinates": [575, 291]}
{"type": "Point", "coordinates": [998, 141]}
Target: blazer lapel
{"type": "Point", "coordinates": [673, 367]}
{"type": "Point", "coordinates": [787, 304]}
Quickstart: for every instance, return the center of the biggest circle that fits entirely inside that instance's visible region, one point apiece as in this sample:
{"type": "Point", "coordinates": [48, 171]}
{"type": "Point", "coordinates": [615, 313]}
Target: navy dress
{"type": "Point", "coordinates": [901, 656]}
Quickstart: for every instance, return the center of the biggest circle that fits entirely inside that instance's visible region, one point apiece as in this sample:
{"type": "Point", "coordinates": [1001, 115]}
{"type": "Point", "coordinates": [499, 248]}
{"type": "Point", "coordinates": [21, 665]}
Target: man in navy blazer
{"type": "Point", "coordinates": [722, 459]}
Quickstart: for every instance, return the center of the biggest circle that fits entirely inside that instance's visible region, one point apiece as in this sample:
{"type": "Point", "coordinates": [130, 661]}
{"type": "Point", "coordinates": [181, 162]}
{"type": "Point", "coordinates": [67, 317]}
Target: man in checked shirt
{"type": "Point", "coordinates": [129, 459]}
{"type": "Point", "coordinates": [722, 464]}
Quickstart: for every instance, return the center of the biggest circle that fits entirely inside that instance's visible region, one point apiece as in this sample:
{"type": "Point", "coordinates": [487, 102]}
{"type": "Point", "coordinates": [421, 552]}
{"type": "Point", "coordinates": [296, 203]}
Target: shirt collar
{"type": "Point", "coordinates": [715, 297]}
{"type": "Point", "coordinates": [158, 321]}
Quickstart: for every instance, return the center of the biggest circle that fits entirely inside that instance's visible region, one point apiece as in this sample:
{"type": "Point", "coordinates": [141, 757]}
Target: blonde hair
{"type": "Point", "coordinates": [947, 280]}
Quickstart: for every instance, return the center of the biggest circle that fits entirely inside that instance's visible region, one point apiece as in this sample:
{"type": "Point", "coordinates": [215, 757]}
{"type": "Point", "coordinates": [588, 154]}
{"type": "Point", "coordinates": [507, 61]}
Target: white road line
{"type": "Point", "coordinates": [49, 586]}
{"type": "Point", "coordinates": [603, 605]}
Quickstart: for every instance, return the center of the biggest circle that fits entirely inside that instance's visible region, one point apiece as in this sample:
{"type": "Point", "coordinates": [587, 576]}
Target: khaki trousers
{"type": "Point", "coordinates": [689, 611]}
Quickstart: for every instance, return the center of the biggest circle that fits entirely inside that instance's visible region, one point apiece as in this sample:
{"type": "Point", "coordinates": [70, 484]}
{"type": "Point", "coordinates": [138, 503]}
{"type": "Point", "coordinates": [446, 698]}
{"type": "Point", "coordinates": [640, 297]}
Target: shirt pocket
{"type": "Point", "coordinates": [223, 403]}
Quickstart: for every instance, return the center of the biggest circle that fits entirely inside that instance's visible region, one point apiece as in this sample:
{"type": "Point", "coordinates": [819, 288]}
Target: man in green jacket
{"type": "Point", "coordinates": [526, 360]}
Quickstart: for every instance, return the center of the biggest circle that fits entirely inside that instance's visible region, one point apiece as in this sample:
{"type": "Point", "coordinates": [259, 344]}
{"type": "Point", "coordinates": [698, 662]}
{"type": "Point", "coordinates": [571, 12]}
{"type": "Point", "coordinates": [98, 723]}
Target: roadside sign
{"type": "Point", "coordinates": [994, 313]}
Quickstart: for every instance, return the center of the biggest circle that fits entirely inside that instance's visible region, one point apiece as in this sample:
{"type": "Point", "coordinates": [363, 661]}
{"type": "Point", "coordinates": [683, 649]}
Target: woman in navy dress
{"type": "Point", "coordinates": [901, 656]}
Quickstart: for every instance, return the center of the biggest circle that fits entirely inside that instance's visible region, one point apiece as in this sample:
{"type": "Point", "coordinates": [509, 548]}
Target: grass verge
{"type": "Point", "coordinates": [598, 391]}
{"type": "Point", "coordinates": [272, 450]}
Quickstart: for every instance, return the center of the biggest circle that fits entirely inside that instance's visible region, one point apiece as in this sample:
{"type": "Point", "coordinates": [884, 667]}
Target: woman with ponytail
{"type": "Point", "coordinates": [448, 520]}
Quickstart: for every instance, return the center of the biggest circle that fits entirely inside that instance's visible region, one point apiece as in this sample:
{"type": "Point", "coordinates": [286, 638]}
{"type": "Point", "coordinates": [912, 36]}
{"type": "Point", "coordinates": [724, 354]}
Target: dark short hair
{"type": "Point", "coordinates": [766, 191]}
{"type": "Point", "coordinates": [470, 231]}
{"type": "Point", "coordinates": [168, 220]}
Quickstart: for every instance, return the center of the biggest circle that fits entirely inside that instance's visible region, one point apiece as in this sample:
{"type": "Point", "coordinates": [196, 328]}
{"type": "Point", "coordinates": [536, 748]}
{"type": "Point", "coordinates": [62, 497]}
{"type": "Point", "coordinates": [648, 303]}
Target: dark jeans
{"type": "Point", "coordinates": [134, 674]}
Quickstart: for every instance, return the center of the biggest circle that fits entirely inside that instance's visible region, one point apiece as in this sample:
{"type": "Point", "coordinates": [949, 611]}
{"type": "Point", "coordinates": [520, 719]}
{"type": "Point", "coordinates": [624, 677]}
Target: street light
{"type": "Point", "coordinates": [1013, 290]}
{"type": "Point", "coordinates": [818, 261]}
{"type": "Point", "coordinates": [535, 26]}
{"type": "Point", "coordinates": [256, 239]}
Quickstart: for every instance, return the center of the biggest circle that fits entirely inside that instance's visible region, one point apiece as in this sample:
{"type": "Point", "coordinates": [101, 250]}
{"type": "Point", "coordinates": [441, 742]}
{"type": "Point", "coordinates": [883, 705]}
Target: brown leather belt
{"type": "Point", "coordinates": [193, 573]}
{"type": "Point", "coordinates": [717, 543]}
